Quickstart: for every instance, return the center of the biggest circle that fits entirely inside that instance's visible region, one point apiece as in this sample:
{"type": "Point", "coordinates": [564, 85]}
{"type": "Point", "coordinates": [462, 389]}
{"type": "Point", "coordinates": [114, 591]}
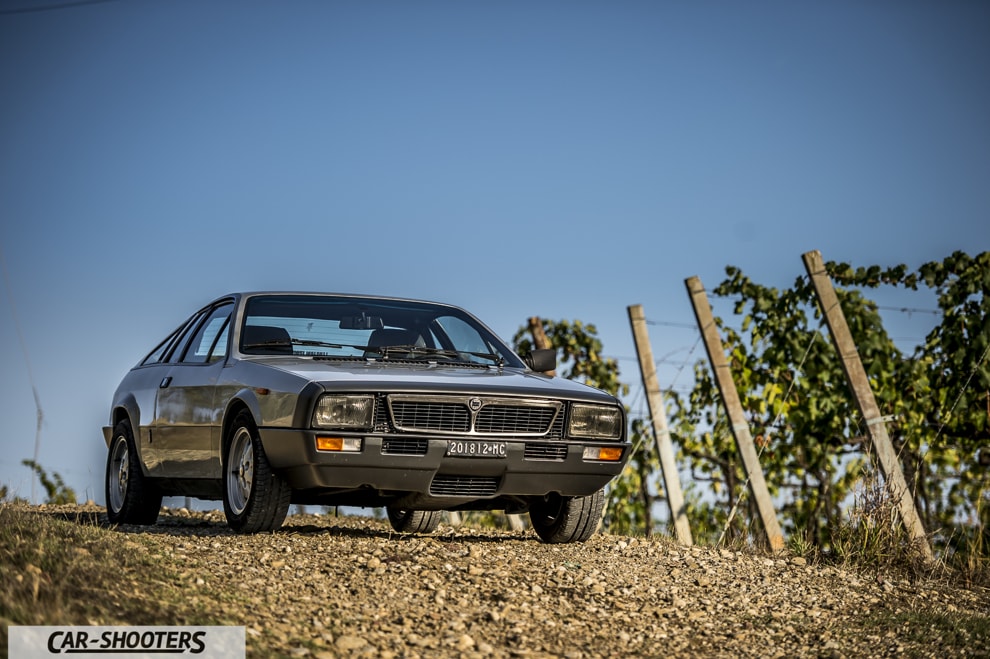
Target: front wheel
{"type": "Point", "coordinates": [559, 519]}
{"type": "Point", "coordinates": [131, 497]}
{"type": "Point", "coordinates": [413, 521]}
{"type": "Point", "coordinates": [255, 498]}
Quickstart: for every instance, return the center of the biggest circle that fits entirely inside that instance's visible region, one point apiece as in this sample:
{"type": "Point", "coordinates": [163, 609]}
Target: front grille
{"type": "Point", "coordinates": [514, 420]}
{"type": "Point", "coordinates": [556, 452]}
{"type": "Point", "coordinates": [463, 486]}
{"type": "Point", "coordinates": [404, 446]}
{"type": "Point", "coordinates": [433, 416]}
{"type": "Point", "coordinates": [476, 415]}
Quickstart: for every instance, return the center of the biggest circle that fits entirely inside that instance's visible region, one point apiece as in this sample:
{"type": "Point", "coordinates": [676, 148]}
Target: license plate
{"type": "Point", "coordinates": [474, 449]}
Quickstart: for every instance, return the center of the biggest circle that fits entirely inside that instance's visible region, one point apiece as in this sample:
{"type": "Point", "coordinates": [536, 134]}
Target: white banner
{"type": "Point", "coordinates": [125, 642]}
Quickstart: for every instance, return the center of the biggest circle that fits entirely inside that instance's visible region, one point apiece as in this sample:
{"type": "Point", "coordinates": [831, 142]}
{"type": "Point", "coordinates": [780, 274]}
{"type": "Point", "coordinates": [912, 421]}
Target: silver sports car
{"type": "Point", "coordinates": [266, 399]}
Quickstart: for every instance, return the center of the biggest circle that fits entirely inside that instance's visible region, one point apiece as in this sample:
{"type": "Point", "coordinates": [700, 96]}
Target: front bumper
{"type": "Point", "coordinates": [435, 475]}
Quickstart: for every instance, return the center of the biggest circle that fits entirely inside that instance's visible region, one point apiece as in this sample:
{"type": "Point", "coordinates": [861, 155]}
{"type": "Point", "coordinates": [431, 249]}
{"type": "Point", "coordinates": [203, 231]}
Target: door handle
{"type": "Point", "coordinates": [167, 380]}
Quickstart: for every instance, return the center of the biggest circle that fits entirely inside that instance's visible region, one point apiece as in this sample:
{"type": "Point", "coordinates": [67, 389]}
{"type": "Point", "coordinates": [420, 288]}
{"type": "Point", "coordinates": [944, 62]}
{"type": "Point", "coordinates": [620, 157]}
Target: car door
{"type": "Point", "coordinates": [187, 419]}
{"type": "Point", "coordinates": [143, 383]}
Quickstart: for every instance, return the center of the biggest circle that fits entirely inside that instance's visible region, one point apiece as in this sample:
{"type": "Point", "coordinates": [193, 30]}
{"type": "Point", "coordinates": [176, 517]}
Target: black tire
{"type": "Point", "coordinates": [255, 498]}
{"type": "Point", "coordinates": [413, 521]}
{"type": "Point", "coordinates": [131, 497]}
{"type": "Point", "coordinates": [558, 519]}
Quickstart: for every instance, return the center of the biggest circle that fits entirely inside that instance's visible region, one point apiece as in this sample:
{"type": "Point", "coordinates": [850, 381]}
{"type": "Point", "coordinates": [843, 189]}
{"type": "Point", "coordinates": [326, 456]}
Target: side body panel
{"type": "Point", "coordinates": [137, 395]}
{"type": "Point", "coordinates": [188, 415]}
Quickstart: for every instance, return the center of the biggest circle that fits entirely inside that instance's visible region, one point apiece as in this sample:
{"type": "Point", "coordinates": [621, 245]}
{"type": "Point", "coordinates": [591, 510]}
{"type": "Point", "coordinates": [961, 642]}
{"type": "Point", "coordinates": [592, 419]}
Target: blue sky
{"type": "Point", "coordinates": [562, 159]}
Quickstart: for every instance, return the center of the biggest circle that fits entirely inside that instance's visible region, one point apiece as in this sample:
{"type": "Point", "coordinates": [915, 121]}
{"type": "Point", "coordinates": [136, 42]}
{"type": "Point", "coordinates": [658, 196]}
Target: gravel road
{"type": "Point", "coordinates": [327, 586]}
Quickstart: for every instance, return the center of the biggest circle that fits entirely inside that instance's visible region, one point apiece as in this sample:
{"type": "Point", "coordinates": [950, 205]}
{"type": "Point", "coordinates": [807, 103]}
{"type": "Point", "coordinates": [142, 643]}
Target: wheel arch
{"type": "Point", "coordinates": [244, 400]}
{"type": "Point", "coordinates": [127, 409]}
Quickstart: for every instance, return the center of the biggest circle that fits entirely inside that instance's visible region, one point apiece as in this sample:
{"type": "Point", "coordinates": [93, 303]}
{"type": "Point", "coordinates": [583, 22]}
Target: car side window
{"type": "Point", "coordinates": [179, 347]}
{"type": "Point", "coordinates": [219, 350]}
{"type": "Point", "coordinates": [201, 346]}
{"type": "Point", "coordinates": [161, 353]}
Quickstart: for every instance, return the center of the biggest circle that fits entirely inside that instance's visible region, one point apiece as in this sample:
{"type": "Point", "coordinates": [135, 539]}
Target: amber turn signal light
{"type": "Point", "coordinates": [603, 453]}
{"type": "Point", "coordinates": [350, 444]}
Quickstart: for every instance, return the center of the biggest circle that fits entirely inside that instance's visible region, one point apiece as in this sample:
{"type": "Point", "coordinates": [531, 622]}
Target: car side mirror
{"type": "Point", "coordinates": [542, 359]}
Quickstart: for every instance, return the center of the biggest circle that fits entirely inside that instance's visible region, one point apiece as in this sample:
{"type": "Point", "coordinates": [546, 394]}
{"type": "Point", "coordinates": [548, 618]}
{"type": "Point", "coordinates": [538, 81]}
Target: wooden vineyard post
{"type": "Point", "coordinates": [661, 431]}
{"type": "Point", "coordinates": [733, 408]}
{"type": "Point", "coordinates": [852, 365]}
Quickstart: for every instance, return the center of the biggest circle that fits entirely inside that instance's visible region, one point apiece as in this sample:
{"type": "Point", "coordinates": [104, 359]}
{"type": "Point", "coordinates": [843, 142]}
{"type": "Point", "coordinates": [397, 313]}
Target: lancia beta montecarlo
{"type": "Point", "coordinates": [262, 400]}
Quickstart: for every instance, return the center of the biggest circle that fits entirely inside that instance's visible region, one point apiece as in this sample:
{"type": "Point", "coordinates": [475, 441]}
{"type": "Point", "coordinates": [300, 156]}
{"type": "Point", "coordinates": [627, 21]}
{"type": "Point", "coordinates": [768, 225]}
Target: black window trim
{"type": "Point", "coordinates": [204, 316]}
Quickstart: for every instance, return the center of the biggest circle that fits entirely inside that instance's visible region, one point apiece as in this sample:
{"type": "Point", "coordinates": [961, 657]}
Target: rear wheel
{"type": "Point", "coordinates": [131, 497]}
{"type": "Point", "coordinates": [255, 498]}
{"type": "Point", "coordinates": [558, 519]}
{"type": "Point", "coordinates": [413, 521]}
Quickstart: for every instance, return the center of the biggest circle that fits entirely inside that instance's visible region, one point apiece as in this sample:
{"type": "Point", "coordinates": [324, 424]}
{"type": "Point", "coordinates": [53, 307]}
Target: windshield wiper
{"type": "Point", "coordinates": [306, 342]}
{"type": "Point", "coordinates": [268, 344]}
{"type": "Point", "coordinates": [320, 344]}
{"type": "Point", "coordinates": [436, 352]}
{"type": "Point", "coordinates": [497, 359]}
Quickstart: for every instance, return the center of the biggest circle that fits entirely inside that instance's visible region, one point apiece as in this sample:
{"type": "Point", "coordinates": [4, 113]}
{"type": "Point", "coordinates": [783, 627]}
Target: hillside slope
{"type": "Point", "coordinates": [329, 586]}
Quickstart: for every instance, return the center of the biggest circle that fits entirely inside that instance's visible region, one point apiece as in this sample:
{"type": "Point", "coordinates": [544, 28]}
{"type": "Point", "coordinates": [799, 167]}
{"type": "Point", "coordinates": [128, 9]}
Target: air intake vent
{"type": "Point", "coordinates": [404, 446]}
{"type": "Point", "coordinates": [555, 452]}
{"type": "Point", "coordinates": [463, 486]}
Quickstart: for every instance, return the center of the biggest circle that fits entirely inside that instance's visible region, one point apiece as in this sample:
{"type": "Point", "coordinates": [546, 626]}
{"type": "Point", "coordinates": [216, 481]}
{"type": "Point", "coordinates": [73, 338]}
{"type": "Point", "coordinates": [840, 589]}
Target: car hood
{"type": "Point", "coordinates": [433, 377]}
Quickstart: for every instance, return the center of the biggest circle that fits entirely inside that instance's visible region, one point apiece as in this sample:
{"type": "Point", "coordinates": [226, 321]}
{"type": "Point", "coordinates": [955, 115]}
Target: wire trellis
{"type": "Point", "coordinates": [763, 445]}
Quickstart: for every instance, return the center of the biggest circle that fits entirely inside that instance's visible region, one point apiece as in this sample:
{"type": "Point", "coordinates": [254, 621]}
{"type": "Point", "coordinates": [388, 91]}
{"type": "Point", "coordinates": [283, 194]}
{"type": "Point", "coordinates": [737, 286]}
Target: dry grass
{"type": "Point", "coordinates": [70, 571]}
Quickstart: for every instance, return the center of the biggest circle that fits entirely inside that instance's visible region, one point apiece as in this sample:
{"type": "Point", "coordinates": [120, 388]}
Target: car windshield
{"type": "Point", "coordinates": [339, 327]}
